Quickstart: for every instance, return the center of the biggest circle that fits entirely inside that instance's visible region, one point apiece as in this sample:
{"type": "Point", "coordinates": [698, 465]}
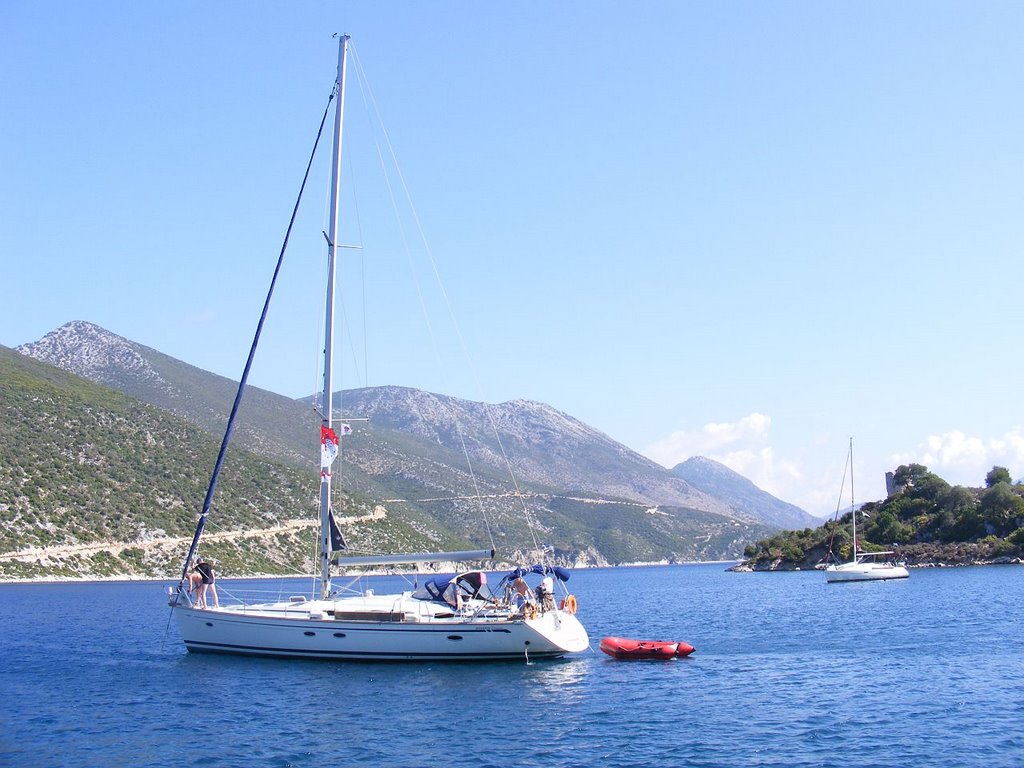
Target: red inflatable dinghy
{"type": "Point", "coordinates": [624, 648]}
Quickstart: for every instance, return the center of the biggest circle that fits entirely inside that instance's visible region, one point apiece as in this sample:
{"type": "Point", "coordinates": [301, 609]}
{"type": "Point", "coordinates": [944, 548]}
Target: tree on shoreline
{"type": "Point", "coordinates": [924, 517]}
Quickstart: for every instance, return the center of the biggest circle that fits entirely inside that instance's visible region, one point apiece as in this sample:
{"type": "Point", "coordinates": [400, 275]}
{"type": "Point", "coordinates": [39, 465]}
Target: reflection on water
{"type": "Point", "coordinates": [562, 680]}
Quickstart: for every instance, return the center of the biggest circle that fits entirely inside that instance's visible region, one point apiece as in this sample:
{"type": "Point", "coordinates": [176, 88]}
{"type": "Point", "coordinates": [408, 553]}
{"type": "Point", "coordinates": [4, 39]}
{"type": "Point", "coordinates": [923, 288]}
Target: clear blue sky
{"type": "Point", "coordinates": [745, 230]}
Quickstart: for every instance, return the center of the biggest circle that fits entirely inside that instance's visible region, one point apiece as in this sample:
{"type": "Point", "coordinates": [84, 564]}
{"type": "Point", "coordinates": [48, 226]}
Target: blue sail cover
{"type": "Point", "coordinates": [559, 573]}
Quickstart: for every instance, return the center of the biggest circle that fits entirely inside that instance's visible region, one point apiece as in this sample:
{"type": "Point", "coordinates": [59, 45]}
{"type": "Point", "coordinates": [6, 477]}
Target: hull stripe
{"type": "Point", "coordinates": [201, 647]}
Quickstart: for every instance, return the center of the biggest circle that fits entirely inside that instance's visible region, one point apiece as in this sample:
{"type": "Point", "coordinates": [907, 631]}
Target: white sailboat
{"type": "Point", "coordinates": [865, 566]}
{"type": "Point", "coordinates": [446, 618]}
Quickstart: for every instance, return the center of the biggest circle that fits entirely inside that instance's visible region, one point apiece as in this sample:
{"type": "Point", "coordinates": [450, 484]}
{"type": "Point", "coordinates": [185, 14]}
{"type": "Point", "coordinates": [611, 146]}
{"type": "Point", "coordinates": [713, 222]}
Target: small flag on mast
{"type": "Point", "coordinates": [328, 449]}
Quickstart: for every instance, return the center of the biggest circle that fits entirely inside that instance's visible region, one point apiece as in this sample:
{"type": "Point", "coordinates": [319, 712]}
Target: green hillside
{"type": "Point", "coordinates": [926, 520]}
{"type": "Point", "coordinates": [82, 466]}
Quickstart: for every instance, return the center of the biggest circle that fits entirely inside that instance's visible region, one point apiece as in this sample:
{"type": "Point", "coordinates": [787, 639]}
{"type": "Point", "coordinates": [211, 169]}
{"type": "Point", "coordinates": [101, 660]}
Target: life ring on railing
{"type": "Point", "coordinates": [529, 611]}
{"type": "Point", "coordinates": [569, 604]}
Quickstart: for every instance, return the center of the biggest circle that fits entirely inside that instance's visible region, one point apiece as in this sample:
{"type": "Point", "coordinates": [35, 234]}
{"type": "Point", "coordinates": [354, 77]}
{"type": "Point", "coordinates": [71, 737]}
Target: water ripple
{"type": "Point", "coordinates": [788, 672]}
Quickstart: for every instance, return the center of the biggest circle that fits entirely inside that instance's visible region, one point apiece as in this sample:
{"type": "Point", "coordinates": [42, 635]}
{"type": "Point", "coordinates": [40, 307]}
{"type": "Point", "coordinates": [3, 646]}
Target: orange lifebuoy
{"type": "Point", "coordinates": [569, 604]}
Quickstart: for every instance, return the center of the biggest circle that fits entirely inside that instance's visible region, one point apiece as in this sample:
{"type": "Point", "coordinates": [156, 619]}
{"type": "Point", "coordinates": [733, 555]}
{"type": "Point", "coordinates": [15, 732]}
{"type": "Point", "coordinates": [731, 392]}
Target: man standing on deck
{"type": "Point", "coordinates": [205, 570]}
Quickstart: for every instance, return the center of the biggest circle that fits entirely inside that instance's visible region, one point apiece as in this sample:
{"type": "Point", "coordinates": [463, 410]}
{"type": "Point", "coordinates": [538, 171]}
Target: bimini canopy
{"type": "Point", "coordinates": [447, 589]}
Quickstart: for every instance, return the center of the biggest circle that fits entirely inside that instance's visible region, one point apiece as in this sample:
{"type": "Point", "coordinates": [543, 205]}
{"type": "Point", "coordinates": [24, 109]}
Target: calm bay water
{"type": "Point", "coordinates": [788, 671]}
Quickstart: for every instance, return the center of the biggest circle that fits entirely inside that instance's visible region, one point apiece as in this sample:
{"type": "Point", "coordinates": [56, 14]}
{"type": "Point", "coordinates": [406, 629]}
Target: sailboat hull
{"type": "Point", "coordinates": [270, 631]}
{"type": "Point", "coordinates": [865, 572]}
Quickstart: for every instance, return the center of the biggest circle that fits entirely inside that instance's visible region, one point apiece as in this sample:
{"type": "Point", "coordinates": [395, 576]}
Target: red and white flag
{"type": "Point", "coordinates": [328, 448]}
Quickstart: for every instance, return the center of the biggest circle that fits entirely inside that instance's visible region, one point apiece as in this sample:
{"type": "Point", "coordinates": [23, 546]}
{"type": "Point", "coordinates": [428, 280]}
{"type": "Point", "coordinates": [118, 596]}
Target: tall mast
{"type": "Point", "coordinates": [853, 506]}
{"type": "Point", "coordinates": [332, 248]}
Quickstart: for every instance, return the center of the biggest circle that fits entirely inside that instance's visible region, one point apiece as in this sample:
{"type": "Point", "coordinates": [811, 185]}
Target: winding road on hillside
{"type": "Point", "coordinates": [117, 547]}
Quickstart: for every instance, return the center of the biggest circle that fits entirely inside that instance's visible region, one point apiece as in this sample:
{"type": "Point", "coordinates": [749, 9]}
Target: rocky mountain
{"type": "Point", "coordinates": [269, 424]}
{"type": "Point", "coordinates": [94, 483]}
{"type": "Point", "coordinates": [548, 449]}
{"type": "Point", "coordinates": [592, 499]}
{"type": "Point", "coordinates": [745, 498]}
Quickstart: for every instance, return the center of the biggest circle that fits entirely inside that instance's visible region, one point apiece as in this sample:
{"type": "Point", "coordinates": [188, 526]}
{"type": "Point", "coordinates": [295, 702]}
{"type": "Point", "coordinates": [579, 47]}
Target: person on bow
{"type": "Point", "coordinates": [209, 579]}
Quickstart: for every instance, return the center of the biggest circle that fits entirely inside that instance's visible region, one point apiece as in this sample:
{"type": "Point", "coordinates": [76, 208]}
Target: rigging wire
{"type": "Point", "coordinates": [352, 178]}
{"type": "Point", "coordinates": [208, 501]}
{"type": "Point", "coordinates": [848, 466]}
{"type": "Point", "coordinates": [320, 291]}
{"type": "Point", "coordinates": [372, 107]}
{"type": "Point", "coordinates": [247, 541]}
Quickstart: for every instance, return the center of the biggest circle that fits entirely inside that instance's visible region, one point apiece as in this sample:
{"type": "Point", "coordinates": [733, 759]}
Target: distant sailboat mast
{"type": "Point", "coordinates": [853, 505]}
{"type": "Point", "coordinates": [332, 248]}
{"type": "Point", "coordinates": [861, 567]}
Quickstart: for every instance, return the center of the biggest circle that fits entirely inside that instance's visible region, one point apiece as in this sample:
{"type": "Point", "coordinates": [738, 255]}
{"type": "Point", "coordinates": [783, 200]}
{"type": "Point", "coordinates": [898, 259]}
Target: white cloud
{"type": "Point", "coordinates": [811, 478]}
{"type": "Point", "coordinates": [743, 446]}
{"type": "Point", "coordinates": [962, 459]}
{"type": "Point", "coordinates": [764, 468]}
{"type": "Point", "coordinates": [710, 439]}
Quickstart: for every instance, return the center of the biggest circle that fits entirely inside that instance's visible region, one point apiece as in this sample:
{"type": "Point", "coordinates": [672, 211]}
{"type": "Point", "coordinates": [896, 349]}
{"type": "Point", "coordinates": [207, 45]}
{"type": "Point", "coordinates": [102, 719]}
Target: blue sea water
{"type": "Point", "coordinates": [788, 671]}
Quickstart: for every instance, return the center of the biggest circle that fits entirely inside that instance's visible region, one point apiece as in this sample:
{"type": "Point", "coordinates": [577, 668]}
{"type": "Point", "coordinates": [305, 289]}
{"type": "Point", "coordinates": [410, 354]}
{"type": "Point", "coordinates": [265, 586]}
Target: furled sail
{"type": "Point", "coordinates": [337, 540]}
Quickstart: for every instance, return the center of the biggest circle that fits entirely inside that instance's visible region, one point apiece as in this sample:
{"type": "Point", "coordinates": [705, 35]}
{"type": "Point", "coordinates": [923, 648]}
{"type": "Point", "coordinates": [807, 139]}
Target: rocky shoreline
{"type": "Point", "coordinates": [128, 578]}
{"type": "Point", "coordinates": [783, 566]}
{"type": "Point", "coordinates": [912, 556]}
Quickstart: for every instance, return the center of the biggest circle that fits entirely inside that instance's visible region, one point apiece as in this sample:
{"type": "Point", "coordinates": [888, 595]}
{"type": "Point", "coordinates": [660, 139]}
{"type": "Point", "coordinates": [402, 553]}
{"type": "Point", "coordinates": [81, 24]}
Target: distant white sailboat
{"type": "Point", "coordinates": [454, 617]}
{"type": "Point", "coordinates": [864, 566]}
